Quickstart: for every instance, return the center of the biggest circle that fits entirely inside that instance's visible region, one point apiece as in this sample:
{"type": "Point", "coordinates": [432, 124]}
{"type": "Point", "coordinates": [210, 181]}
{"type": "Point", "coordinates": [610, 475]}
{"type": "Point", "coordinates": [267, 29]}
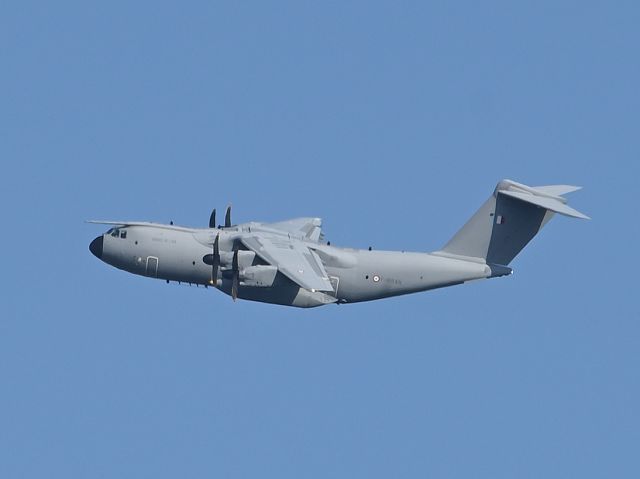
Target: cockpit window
{"type": "Point", "coordinates": [117, 233]}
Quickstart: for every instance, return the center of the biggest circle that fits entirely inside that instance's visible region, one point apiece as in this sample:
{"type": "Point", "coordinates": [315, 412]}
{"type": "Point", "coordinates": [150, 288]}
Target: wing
{"type": "Point", "coordinates": [119, 223]}
{"type": "Point", "coordinates": [140, 223]}
{"type": "Point", "coordinates": [310, 228]}
{"type": "Point", "coordinates": [292, 258]}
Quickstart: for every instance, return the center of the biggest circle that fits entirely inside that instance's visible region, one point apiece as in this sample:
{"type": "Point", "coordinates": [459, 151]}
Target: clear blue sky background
{"type": "Point", "coordinates": [392, 121]}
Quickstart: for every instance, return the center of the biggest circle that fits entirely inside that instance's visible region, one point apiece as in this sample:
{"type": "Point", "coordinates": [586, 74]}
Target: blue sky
{"type": "Point", "coordinates": [392, 121]}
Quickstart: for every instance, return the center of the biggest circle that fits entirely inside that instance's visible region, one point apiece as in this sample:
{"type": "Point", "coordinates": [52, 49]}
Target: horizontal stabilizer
{"type": "Point", "coordinates": [557, 190]}
{"type": "Point", "coordinates": [546, 202]}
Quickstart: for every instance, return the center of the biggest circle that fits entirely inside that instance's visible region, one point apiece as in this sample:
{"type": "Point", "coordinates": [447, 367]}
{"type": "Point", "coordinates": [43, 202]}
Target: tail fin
{"type": "Point", "coordinates": [508, 220]}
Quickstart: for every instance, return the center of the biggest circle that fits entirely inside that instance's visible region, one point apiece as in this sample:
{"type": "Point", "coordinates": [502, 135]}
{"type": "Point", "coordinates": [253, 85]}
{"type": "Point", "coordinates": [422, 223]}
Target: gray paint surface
{"type": "Point", "coordinates": [287, 262]}
{"type": "Point", "coordinates": [515, 223]}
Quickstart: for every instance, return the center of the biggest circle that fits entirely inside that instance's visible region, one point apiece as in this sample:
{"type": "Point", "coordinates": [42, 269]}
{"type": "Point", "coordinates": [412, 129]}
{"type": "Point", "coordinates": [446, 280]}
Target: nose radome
{"type": "Point", "coordinates": [96, 247]}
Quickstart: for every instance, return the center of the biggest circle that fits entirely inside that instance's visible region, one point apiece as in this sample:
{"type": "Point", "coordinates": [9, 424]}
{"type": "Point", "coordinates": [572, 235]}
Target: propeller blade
{"type": "Point", "coordinates": [212, 219]}
{"type": "Point", "coordinates": [215, 263]}
{"type": "Point", "coordinates": [227, 217]}
{"type": "Point", "coordinates": [236, 275]}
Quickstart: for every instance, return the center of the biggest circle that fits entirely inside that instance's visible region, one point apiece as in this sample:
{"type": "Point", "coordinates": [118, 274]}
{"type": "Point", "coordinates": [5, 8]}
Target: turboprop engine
{"type": "Point", "coordinates": [258, 276]}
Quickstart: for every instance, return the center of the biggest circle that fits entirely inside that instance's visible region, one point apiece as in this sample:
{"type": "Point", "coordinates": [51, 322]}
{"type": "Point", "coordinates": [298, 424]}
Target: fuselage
{"type": "Point", "coordinates": [175, 253]}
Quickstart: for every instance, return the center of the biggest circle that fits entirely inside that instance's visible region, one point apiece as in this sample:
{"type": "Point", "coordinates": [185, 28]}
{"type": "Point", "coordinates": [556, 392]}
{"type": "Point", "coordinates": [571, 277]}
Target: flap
{"type": "Point", "coordinates": [293, 259]}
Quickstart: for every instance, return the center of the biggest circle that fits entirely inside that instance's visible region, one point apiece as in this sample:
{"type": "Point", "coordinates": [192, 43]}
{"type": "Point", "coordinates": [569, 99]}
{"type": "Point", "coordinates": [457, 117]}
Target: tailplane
{"type": "Point", "coordinates": [508, 220]}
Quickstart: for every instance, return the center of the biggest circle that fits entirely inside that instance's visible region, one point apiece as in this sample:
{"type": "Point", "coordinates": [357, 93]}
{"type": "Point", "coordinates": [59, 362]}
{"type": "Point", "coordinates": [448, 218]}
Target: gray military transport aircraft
{"type": "Point", "coordinates": [289, 262]}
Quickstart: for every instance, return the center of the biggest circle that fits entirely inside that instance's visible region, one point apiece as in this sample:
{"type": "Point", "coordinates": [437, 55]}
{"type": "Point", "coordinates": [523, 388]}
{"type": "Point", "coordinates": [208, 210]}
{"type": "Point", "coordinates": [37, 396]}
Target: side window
{"type": "Point", "coordinates": [123, 234]}
{"type": "Point", "coordinates": [115, 233]}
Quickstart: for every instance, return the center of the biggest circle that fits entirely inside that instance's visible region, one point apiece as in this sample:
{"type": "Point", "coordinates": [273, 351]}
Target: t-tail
{"type": "Point", "coordinates": [506, 222]}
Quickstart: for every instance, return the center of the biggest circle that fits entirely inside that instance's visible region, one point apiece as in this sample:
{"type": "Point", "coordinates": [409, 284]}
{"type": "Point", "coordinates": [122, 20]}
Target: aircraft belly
{"type": "Point", "coordinates": [283, 292]}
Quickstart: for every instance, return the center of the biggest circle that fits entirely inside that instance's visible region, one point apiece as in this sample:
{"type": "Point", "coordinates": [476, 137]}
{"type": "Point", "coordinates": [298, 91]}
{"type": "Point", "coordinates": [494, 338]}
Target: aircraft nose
{"type": "Point", "coordinates": [96, 247]}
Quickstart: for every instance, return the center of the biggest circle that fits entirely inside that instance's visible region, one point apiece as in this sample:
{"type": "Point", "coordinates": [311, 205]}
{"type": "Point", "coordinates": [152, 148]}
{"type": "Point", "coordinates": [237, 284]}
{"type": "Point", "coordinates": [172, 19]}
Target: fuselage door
{"type": "Point", "coordinates": [152, 266]}
{"type": "Point", "coordinates": [335, 281]}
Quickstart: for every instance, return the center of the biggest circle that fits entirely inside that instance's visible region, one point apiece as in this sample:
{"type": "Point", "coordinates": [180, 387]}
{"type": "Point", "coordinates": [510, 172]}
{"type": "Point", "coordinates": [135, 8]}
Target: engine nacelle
{"type": "Point", "coordinates": [258, 276]}
{"type": "Point", "coordinates": [245, 259]}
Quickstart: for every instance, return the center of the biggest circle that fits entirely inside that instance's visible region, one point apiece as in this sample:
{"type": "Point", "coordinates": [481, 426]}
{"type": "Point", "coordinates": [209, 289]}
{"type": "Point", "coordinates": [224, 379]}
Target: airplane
{"type": "Point", "coordinates": [290, 263]}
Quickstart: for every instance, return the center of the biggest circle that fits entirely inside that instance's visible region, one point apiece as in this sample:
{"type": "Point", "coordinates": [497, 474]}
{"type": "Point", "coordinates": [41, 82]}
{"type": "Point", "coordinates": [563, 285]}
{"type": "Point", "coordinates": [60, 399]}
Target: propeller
{"type": "Point", "coordinates": [227, 217]}
{"type": "Point", "coordinates": [212, 219]}
{"type": "Point", "coordinates": [215, 260]}
{"type": "Point", "coordinates": [236, 274]}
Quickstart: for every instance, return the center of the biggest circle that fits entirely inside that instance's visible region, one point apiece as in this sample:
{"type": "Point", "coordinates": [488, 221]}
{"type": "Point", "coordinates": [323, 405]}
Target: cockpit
{"type": "Point", "coordinates": [117, 232]}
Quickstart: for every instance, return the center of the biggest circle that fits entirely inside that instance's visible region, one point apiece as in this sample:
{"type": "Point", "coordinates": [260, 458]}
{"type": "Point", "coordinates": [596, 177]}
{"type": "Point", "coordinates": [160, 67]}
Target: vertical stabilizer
{"type": "Point", "coordinates": [507, 221]}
